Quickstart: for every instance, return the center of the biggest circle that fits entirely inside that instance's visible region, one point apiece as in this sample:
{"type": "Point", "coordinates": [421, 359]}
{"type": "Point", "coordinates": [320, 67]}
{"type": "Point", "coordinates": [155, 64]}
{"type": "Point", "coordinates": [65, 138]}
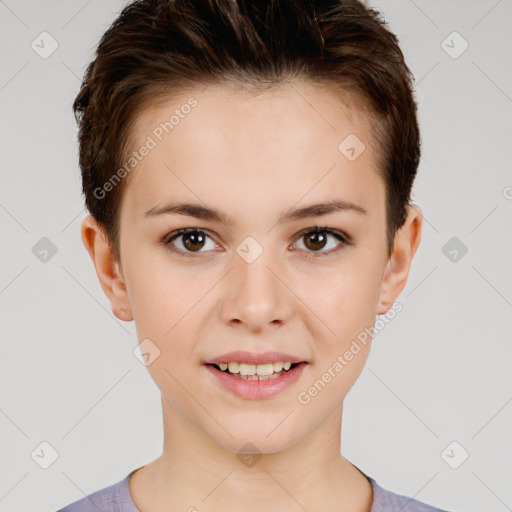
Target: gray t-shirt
{"type": "Point", "coordinates": [117, 498]}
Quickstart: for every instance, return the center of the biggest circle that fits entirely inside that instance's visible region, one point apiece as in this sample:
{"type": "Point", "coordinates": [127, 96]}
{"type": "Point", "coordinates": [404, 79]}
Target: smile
{"type": "Point", "coordinates": [256, 382]}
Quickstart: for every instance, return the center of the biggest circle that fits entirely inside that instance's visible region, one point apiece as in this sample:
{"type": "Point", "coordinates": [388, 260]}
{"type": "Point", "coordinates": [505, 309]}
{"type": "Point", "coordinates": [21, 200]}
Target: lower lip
{"type": "Point", "coordinates": [257, 389]}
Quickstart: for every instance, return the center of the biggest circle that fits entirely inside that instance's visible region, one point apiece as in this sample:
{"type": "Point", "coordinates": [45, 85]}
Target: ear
{"type": "Point", "coordinates": [407, 240]}
{"type": "Point", "coordinates": [107, 268]}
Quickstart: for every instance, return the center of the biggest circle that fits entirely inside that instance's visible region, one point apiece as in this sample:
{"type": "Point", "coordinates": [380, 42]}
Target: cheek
{"type": "Point", "coordinates": [164, 313]}
{"type": "Point", "coordinates": [154, 303]}
{"type": "Point", "coordinates": [345, 301]}
{"type": "Point", "coordinates": [168, 309]}
{"type": "Point", "coordinates": [161, 295]}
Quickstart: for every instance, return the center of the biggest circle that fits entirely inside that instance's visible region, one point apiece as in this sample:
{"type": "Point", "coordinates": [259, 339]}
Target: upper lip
{"type": "Point", "coordinates": [242, 356]}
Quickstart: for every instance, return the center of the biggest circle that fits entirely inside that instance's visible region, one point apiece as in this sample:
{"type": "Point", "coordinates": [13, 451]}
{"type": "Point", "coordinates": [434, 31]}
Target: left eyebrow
{"type": "Point", "coordinates": [205, 213]}
{"type": "Point", "coordinates": [320, 209]}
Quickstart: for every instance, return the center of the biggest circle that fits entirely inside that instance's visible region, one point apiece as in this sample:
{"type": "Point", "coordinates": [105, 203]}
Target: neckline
{"type": "Point", "coordinates": [125, 488]}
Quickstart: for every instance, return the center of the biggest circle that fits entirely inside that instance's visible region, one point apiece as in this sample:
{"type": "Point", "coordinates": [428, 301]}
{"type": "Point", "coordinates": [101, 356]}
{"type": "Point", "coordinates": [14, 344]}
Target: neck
{"type": "Point", "coordinates": [195, 471]}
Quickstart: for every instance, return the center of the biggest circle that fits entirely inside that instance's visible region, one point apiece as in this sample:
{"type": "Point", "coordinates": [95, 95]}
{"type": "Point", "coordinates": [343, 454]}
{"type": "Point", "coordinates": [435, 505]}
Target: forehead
{"type": "Point", "coordinates": [216, 140]}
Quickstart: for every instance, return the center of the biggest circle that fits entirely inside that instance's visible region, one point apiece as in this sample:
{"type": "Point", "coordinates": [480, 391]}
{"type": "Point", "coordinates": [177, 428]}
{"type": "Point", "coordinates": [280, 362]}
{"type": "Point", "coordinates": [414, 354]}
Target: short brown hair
{"type": "Point", "coordinates": [156, 48]}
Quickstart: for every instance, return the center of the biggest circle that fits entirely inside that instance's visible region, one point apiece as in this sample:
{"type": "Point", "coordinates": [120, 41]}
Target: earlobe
{"type": "Point", "coordinates": [407, 240]}
{"type": "Point", "coordinates": [107, 268]}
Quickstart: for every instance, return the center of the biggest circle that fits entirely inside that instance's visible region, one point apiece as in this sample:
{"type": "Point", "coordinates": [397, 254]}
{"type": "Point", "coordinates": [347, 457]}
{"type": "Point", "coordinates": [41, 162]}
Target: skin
{"type": "Point", "coordinates": [253, 157]}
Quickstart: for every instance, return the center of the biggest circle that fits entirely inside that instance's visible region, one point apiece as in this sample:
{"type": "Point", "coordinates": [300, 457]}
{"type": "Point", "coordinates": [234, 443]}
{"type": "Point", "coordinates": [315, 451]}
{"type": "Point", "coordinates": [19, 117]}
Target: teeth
{"type": "Point", "coordinates": [278, 367]}
{"type": "Point", "coordinates": [253, 369]}
{"type": "Point", "coordinates": [247, 369]}
{"type": "Point", "coordinates": [234, 368]}
{"type": "Point", "coordinates": [265, 369]}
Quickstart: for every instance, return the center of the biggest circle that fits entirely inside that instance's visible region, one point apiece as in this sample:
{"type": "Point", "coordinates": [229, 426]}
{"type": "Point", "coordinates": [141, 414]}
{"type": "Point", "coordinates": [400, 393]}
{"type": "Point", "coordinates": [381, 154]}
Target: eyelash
{"type": "Point", "coordinates": [342, 237]}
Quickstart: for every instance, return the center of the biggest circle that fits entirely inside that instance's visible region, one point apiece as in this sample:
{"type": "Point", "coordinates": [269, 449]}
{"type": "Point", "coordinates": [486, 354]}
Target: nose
{"type": "Point", "coordinates": [255, 295]}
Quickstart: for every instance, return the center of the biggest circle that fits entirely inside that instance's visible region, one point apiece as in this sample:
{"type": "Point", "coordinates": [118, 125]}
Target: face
{"type": "Point", "coordinates": [250, 274]}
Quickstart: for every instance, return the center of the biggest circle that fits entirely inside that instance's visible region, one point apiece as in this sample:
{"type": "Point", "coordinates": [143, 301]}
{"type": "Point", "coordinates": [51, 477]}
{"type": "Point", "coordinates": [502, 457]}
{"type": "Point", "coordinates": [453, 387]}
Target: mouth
{"type": "Point", "coordinates": [255, 381]}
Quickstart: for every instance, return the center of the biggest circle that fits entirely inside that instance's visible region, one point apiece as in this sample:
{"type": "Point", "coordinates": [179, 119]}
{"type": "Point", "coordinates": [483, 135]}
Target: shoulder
{"type": "Point", "coordinates": [387, 501]}
{"type": "Point", "coordinates": [114, 498]}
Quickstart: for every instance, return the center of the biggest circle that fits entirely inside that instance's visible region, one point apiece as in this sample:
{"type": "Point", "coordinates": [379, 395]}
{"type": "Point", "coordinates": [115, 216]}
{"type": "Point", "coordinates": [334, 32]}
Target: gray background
{"type": "Point", "coordinates": [438, 373]}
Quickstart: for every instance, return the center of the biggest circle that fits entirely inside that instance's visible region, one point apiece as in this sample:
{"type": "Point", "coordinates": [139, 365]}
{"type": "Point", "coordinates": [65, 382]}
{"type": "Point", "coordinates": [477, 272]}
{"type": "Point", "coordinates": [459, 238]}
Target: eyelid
{"type": "Point", "coordinates": [325, 229]}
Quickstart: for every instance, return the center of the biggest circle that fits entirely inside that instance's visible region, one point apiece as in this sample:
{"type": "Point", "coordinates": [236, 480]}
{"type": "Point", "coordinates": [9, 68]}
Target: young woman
{"type": "Point", "coordinates": [247, 167]}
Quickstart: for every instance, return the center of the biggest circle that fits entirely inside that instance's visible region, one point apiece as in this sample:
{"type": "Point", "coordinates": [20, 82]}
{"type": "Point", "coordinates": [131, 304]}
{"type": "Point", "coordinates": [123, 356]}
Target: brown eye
{"type": "Point", "coordinates": [193, 241]}
{"type": "Point", "coordinates": [316, 239]}
{"type": "Point", "coordinates": [188, 241]}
